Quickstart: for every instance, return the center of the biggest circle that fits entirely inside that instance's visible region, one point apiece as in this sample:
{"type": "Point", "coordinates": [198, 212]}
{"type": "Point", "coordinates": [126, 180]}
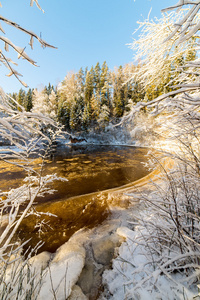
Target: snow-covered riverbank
{"type": "Point", "coordinates": [121, 258]}
{"type": "Point", "coordinates": [83, 266]}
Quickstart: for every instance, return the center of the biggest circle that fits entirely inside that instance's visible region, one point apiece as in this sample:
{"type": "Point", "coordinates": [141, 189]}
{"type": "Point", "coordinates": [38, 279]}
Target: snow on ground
{"type": "Point", "coordinates": [111, 136]}
{"type": "Point", "coordinates": [48, 276]}
{"type": "Point", "coordinates": [64, 269]}
{"type": "Point", "coordinates": [132, 277]}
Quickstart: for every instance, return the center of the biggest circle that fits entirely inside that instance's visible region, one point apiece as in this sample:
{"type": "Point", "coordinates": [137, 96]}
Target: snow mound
{"type": "Point", "coordinates": [63, 270]}
{"type": "Point", "coordinates": [132, 277]}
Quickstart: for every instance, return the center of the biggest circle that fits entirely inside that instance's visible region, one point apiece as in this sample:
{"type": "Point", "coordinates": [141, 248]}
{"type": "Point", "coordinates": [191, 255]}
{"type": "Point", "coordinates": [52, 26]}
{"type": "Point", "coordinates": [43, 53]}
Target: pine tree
{"type": "Point", "coordinates": [86, 116]}
{"type": "Point", "coordinates": [104, 116]}
{"type": "Point", "coordinates": [21, 97]}
{"type": "Point", "coordinates": [80, 77]}
{"type": "Point", "coordinates": [104, 85]}
{"type": "Point", "coordinates": [28, 105]}
{"type": "Point", "coordinates": [89, 85]}
{"type": "Point", "coordinates": [119, 100]}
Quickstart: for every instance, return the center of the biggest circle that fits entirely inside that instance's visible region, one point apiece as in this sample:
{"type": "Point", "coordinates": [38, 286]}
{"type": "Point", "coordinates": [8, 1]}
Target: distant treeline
{"type": "Point", "coordinates": [90, 99]}
{"type": "Point", "coordinates": [86, 99]}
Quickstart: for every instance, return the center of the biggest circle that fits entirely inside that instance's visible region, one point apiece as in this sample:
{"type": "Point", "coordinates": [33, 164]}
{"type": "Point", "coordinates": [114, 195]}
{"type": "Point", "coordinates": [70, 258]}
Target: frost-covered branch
{"type": "Point", "coordinates": [26, 135]}
{"type": "Point", "coordinates": [19, 50]}
{"type": "Point", "coordinates": [161, 253]}
{"type": "Point", "coordinates": [31, 134]}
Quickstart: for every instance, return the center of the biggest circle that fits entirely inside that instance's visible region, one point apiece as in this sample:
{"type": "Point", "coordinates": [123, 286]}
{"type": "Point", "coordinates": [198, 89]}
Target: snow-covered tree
{"type": "Point", "coordinates": [160, 56]}
{"type": "Point", "coordinates": [20, 129]}
{"type": "Point", "coordinates": [68, 89]}
{"type": "Point", "coordinates": [45, 103]}
{"type": "Point", "coordinates": [103, 118]}
{"type": "Point", "coordinates": [40, 102]}
{"type": "Point", "coordinates": [53, 105]}
{"type": "Point", "coordinates": [160, 259]}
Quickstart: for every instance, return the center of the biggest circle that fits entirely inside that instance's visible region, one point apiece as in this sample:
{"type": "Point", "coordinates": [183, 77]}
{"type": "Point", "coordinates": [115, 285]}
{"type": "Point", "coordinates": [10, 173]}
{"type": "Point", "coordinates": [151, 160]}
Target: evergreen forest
{"type": "Point", "coordinates": [91, 99]}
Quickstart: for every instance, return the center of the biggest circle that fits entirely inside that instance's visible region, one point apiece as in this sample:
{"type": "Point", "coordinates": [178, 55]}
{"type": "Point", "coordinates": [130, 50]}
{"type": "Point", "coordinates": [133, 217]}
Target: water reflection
{"type": "Point", "coordinates": [94, 168]}
{"type": "Point", "coordinates": [89, 169]}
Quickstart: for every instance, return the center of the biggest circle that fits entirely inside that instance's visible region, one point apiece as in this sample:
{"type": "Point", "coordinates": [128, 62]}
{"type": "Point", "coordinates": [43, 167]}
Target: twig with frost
{"type": "Point", "coordinates": [19, 50]}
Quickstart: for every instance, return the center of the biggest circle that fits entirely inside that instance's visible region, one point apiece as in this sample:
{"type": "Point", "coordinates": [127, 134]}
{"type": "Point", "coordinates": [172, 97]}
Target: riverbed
{"type": "Point", "coordinates": [78, 203]}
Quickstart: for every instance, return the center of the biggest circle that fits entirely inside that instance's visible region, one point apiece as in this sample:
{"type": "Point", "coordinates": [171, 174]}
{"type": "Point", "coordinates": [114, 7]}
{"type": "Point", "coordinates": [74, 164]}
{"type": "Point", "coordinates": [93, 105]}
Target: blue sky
{"type": "Point", "coordinates": [85, 32]}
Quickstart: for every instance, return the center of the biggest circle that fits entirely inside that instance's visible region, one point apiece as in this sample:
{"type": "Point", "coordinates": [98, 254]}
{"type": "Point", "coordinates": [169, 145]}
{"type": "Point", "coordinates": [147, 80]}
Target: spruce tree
{"type": "Point", "coordinates": [104, 85]}
{"type": "Point", "coordinates": [63, 115]}
{"type": "Point", "coordinates": [28, 105]}
{"type": "Point", "coordinates": [97, 78]}
{"type": "Point", "coordinates": [13, 97]}
{"type": "Point", "coordinates": [21, 98]}
{"type": "Point", "coordinates": [119, 100]}
{"type": "Point", "coordinates": [49, 89]}
{"type": "Point", "coordinates": [104, 116]}
{"type": "Point", "coordinates": [80, 77]}
{"type": "Point", "coordinates": [86, 117]}
{"type": "Point", "coordinates": [76, 113]}
{"type": "Point", "coordinates": [74, 117]}
{"type": "Point", "coordinates": [89, 85]}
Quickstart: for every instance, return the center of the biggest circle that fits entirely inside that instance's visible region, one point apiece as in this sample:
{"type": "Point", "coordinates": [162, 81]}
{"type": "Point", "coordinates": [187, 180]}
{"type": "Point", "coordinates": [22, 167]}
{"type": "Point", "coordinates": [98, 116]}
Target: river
{"type": "Point", "coordinates": [78, 203]}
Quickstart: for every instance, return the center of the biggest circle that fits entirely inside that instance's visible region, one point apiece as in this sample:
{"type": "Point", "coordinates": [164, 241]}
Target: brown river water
{"type": "Point", "coordinates": [78, 203]}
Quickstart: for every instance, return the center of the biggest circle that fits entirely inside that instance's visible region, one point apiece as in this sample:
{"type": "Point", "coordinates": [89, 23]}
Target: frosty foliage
{"type": "Point", "coordinates": [27, 136]}
{"type": "Point", "coordinates": [70, 88]}
{"type": "Point", "coordinates": [23, 136]}
{"type": "Point", "coordinates": [8, 62]}
{"type": "Point", "coordinates": [157, 55]}
{"type": "Point", "coordinates": [45, 104]}
{"type": "Point", "coordinates": [104, 115]}
{"type": "Point", "coordinates": [160, 258]}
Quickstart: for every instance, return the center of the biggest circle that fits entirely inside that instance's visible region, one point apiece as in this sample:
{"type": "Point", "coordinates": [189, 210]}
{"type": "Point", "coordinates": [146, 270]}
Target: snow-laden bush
{"type": "Point", "coordinates": [26, 135]}
{"type": "Point", "coordinates": [160, 258]}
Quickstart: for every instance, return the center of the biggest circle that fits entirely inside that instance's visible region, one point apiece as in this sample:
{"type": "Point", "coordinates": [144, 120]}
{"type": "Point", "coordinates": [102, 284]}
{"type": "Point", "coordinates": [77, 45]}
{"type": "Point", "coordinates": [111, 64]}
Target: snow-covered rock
{"type": "Point", "coordinates": [103, 248]}
{"type": "Point", "coordinates": [63, 271]}
{"type": "Point", "coordinates": [40, 261]}
{"type": "Point", "coordinates": [77, 294]}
